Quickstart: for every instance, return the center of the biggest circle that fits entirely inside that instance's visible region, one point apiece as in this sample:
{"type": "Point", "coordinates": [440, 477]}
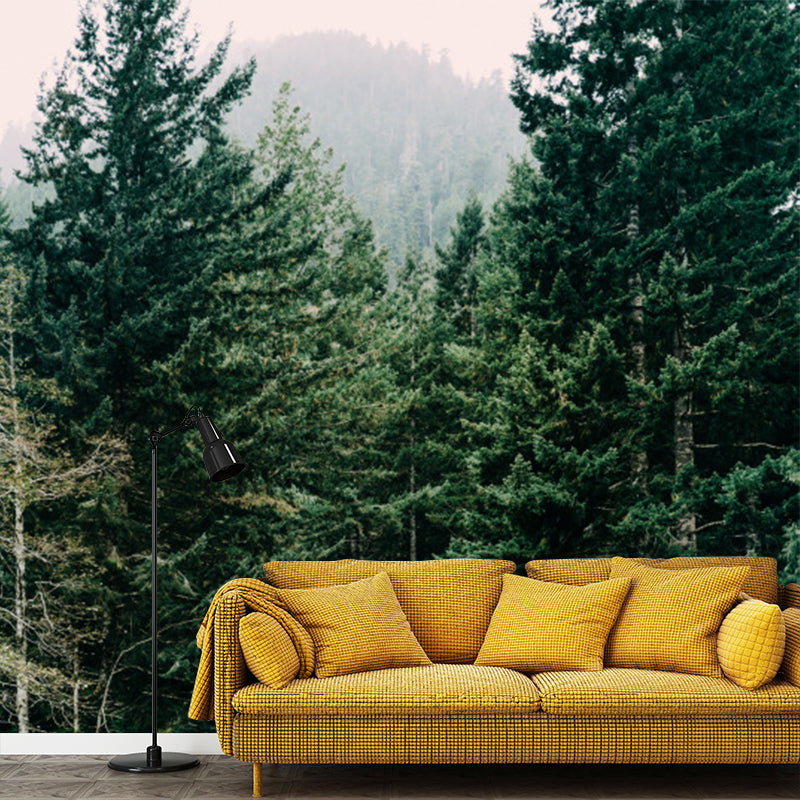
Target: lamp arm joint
{"type": "Point", "coordinates": [188, 421]}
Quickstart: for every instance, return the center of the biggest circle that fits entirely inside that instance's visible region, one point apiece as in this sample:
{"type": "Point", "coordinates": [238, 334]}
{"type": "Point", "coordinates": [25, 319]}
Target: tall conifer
{"type": "Point", "coordinates": [145, 194]}
{"type": "Point", "coordinates": [661, 225]}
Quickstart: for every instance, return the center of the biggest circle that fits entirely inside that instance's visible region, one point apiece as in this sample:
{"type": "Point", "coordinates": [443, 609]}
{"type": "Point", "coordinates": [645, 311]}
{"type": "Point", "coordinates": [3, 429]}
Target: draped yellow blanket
{"type": "Point", "coordinates": [257, 596]}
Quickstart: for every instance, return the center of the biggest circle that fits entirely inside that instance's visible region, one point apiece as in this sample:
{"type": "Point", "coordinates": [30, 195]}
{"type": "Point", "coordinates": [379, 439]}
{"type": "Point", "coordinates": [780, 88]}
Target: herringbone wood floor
{"type": "Point", "coordinates": [223, 778]}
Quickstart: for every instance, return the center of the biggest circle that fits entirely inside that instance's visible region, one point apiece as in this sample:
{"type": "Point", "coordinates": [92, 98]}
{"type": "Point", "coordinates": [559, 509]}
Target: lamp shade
{"type": "Point", "coordinates": [221, 458]}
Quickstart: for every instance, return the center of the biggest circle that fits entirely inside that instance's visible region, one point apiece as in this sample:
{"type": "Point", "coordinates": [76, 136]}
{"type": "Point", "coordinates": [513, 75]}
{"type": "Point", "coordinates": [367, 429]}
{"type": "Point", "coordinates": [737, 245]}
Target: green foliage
{"type": "Point", "coordinates": [292, 337]}
{"type": "Point", "coordinates": [50, 582]}
{"type": "Point", "coordinates": [119, 253]}
{"type": "Point", "coordinates": [416, 138]}
{"type": "Point", "coordinates": [145, 194]}
{"type": "Point", "coordinates": [605, 365]}
{"type": "Point", "coordinates": [651, 275]}
{"type": "Point", "coordinates": [456, 279]}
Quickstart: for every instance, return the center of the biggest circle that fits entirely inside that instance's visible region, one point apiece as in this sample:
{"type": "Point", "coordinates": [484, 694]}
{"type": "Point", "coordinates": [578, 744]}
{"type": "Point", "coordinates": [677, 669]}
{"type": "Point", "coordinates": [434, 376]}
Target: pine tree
{"type": "Point", "coordinates": [293, 336]}
{"type": "Point", "coordinates": [663, 214]}
{"type": "Point", "coordinates": [456, 279]}
{"type": "Point", "coordinates": [119, 252]}
{"type": "Point", "coordinates": [423, 414]}
{"type": "Point", "coordinates": [146, 196]}
{"type": "Point", "coordinates": [45, 660]}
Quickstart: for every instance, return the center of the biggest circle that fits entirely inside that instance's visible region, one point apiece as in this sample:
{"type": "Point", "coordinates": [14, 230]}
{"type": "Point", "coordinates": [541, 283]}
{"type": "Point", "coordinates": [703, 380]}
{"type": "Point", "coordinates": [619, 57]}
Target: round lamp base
{"type": "Point", "coordinates": [138, 762]}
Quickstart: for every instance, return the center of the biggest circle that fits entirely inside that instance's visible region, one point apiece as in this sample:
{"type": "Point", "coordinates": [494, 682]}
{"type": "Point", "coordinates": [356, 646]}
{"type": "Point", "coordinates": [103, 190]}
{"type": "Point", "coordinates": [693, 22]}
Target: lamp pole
{"type": "Point", "coordinates": [154, 603]}
{"type": "Point", "coordinates": [222, 461]}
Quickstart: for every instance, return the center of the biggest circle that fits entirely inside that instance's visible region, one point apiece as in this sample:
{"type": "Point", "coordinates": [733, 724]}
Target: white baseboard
{"type": "Point", "coordinates": [106, 743]}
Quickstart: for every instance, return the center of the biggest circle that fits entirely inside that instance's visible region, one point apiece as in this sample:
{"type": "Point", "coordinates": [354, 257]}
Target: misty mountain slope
{"type": "Point", "coordinates": [415, 137]}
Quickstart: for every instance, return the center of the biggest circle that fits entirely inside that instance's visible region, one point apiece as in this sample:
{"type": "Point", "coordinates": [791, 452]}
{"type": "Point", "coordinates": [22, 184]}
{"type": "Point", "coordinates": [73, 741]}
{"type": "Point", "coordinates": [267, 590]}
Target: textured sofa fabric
{"type": "Point", "coordinates": [536, 738]}
{"type": "Point", "coordinates": [539, 626]}
{"type": "Point", "coordinates": [751, 643]}
{"type": "Point", "coordinates": [457, 712]}
{"type": "Point", "coordinates": [441, 689]}
{"type": "Point", "coordinates": [448, 603]}
{"type": "Point", "coordinates": [345, 621]}
{"type": "Point", "coordinates": [623, 692]}
{"type": "Point", "coordinates": [670, 618]}
{"type": "Point", "coordinates": [761, 582]}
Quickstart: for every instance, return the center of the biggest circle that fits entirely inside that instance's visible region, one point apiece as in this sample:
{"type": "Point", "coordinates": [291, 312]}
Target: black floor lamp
{"type": "Point", "coordinates": [222, 461]}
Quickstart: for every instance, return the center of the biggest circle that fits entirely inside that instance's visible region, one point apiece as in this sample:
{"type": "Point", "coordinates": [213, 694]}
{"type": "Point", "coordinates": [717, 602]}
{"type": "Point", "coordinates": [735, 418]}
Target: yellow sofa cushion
{"type": "Point", "coordinates": [670, 618]}
{"type": "Point", "coordinates": [356, 627]}
{"type": "Point", "coordinates": [462, 690]}
{"type": "Point", "coordinates": [750, 643]}
{"type": "Point", "coordinates": [791, 656]}
{"type": "Point", "coordinates": [640, 692]}
{"type": "Point", "coordinates": [447, 602]}
{"type": "Point", "coordinates": [576, 571]}
{"type": "Point", "coordinates": [268, 651]}
{"type": "Point", "coordinates": [539, 626]}
{"type": "Point", "coordinates": [761, 582]}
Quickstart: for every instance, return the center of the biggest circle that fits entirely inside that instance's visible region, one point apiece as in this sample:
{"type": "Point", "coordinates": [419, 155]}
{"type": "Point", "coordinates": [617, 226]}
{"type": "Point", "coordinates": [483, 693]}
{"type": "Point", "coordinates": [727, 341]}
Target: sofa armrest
{"type": "Point", "coordinates": [223, 669]}
{"type": "Point", "coordinates": [790, 596]}
{"type": "Point", "coordinates": [791, 653]}
{"type": "Point", "coordinates": [230, 669]}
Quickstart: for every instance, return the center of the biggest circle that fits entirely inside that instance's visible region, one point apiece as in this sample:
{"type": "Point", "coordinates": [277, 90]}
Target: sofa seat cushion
{"type": "Point", "coordinates": [448, 602]}
{"type": "Point", "coordinates": [637, 691]}
{"type": "Point", "coordinates": [434, 690]}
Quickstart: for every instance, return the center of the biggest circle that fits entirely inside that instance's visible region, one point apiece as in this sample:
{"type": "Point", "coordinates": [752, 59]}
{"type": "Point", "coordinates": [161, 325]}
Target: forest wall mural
{"type": "Point", "coordinates": [602, 360]}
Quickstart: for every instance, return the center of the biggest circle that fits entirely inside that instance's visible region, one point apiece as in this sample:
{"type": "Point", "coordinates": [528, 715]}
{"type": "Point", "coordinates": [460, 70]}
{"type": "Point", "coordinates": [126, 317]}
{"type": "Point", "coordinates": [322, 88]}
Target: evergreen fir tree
{"type": "Point", "coordinates": [51, 624]}
{"type": "Point", "coordinates": [120, 251]}
{"type": "Point", "coordinates": [294, 336]}
{"type": "Point", "coordinates": [456, 279]}
{"type": "Point", "coordinates": [145, 196]}
{"type": "Point", "coordinates": [663, 213]}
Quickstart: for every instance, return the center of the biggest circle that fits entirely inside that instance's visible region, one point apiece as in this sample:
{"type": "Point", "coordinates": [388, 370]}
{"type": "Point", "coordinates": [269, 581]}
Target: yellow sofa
{"type": "Point", "coordinates": [452, 710]}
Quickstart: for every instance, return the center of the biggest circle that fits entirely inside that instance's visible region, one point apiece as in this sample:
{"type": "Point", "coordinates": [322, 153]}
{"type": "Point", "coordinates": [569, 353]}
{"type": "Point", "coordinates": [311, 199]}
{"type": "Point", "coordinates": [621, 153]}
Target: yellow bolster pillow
{"type": "Point", "coordinates": [268, 651]}
{"type": "Point", "coordinates": [750, 643]}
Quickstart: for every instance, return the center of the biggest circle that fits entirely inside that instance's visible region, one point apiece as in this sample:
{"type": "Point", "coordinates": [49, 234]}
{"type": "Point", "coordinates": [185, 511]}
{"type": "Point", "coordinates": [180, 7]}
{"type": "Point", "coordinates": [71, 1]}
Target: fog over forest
{"type": "Point", "coordinates": [415, 137]}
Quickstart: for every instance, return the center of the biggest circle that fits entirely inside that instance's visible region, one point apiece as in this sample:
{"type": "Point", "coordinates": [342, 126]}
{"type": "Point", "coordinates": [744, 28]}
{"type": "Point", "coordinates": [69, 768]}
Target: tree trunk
{"type": "Point", "coordinates": [636, 322]}
{"type": "Point", "coordinates": [682, 411]}
{"type": "Point", "coordinates": [412, 487]}
{"type": "Point", "coordinates": [76, 688]}
{"type": "Point", "coordinates": [639, 457]}
{"type": "Point", "coordinates": [21, 616]}
{"type": "Point", "coordinates": [22, 701]}
{"type": "Point", "coordinates": [684, 445]}
{"type": "Point", "coordinates": [412, 472]}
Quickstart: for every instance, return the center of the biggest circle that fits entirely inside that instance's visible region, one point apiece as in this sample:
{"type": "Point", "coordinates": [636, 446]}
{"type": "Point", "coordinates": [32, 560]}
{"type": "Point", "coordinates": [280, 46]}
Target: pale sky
{"type": "Point", "coordinates": [479, 35]}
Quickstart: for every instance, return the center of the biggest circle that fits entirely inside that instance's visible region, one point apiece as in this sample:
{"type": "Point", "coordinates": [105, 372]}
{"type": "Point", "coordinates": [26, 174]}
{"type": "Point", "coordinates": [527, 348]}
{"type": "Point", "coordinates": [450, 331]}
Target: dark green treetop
{"type": "Point", "coordinates": [662, 212]}
{"type": "Point", "coordinates": [131, 143]}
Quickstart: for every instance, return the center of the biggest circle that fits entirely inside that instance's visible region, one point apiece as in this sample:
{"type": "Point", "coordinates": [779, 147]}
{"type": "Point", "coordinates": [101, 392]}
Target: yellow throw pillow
{"type": "Point", "coordinates": [269, 652]}
{"type": "Point", "coordinates": [670, 618]}
{"type": "Point", "coordinates": [761, 582]}
{"type": "Point", "coordinates": [544, 627]}
{"type": "Point", "coordinates": [356, 627]}
{"type": "Point", "coordinates": [448, 602]}
{"type": "Point", "coordinates": [791, 655]}
{"type": "Point", "coordinates": [750, 643]}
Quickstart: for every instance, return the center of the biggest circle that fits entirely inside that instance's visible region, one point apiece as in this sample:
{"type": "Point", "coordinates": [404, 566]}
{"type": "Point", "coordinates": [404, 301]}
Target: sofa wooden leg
{"type": "Point", "coordinates": [257, 780]}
